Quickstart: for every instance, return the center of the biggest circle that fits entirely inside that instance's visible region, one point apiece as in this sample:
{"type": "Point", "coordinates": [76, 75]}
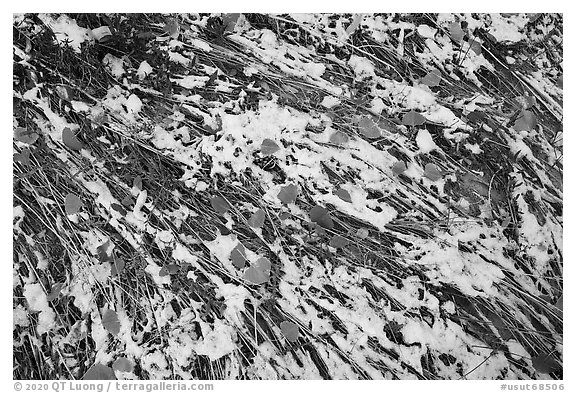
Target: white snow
{"type": "Point", "coordinates": [114, 65]}
{"type": "Point", "coordinates": [144, 69]}
{"type": "Point", "coordinates": [66, 29]}
{"type": "Point", "coordinates": [36, 299]}
{"type": "Point", "coordinates": [425, 142]}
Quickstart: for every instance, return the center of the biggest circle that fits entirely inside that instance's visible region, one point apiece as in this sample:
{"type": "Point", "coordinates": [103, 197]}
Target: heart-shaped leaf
{"type": "Point", "coordinates": [259, 272]}
{"type": "Point", "coordinates": [72, 204]}
{"type": "Point", "coordinates": [99, 372]}
{"type": "Point", "coordinates": [339, 138]}
{"type": "Point", "coordinates": [368, 128]}
{"type": "Point", "coordinates": [70, 140]}
{"type": "Point", "coordinates": [413, 119]}
{"type": "Point", "coordinates": [290, 330]}
{"type": "Point", "coordinates": [399, 167]}
{"type": "Point", "coordinates": [431, 172]}
{"type": "Point", "coordinates": [269, 147]}
{"type": "Point", "coordinates": [257, 219]}
{"type": "Point", "coordinates": [526, 121]}
{"type": "Point", "coordinates": [23, 157]}
{"type": "Point", "coordinates": [238, 256]}
{"type": "Point", "coordinates": [123, 364]}
{"type": "Point", "coordinates": [344, 195]}
{"type": "Point", "coordinates": [320, 216]}
{"type": "Point", "coordinates": [219, 204]}
{"type": "Point", "coordinates": [21, 134]}
{"type": "Point", "coordinates": [338, 241]}
{"type": "Point", "coordinates": [229, 21]}
{"type": "Point", "coordinates": [456, 32]}
{"type": "Point", "coordinates": [288, 194]}
{"type": "Point", "coordinates": [432, 79]}
{"type": "Point", "coordinates": [111, 322]}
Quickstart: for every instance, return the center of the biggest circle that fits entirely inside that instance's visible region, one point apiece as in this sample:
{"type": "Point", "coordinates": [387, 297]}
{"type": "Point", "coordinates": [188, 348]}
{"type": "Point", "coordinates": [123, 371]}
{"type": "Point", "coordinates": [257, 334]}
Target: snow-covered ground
{"type": "Point", "coordinates": [288, 196]}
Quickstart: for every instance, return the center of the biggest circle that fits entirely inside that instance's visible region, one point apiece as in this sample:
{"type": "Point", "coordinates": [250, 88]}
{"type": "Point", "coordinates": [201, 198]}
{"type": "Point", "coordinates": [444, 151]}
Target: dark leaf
{"type": "Point", "coordinates": [413, 119]}
{"type": "Point", "coordinates": [238, 256]}
{"type": "Point", "coordinates": [70, 140]}
{"type": "Point", "coordinates": [476, 116]}
{"type": "Point", "coordinates": [344, 195]}
{"type": "Point", "coordinates": [526, 121]}
{"type": "Point", "coordinates": [169, 269]}
{"type": "Point", "coordinates": [118, 208]}
{"type": "Point", "coordinates": [229, 21]}
{"type": "Point", "coordinates": [257, 219]}
{"type": "Point", "coordinates": [432, 79]}
{"type": "Point", "coordinates": [138, 183]}
{"type": "Point", "coordinates": [111, 322]}
{"type": "Point", "coordinates": [338, 241]}
{"type": "Point", "coordinates": [259, 272]}
{"type": "Point", "coordinates": [545, 364]}
{"type": "Point", "coordinates": [104, 251]}
{"type": "Point", "coordinates": [388, 125]}
{"type": "Point", "coordinates": [368, 128]}
{"type": "Point", "coordinates": [23, 135]}
{"type": "Point", "coordinates": [320, 216]}
{"type": "Point", "coordinates": [399, 167]}
{"type": "Point", "coordinates": [456, 32]}
{"type": "Point", "coordinates": [339, 138]}
{"type": "Point", "coordinates": [290, 330]}
{"type": "Point", "coordinates": [99, 372]}
{"type": "Point", "coordinates": [220, 205]}
{"type": "Point", "coordinates": [23, 157]}
{"type": "Point", "coordinates": [431, 172]}
{"type": "Point", "coordinates": [288, 194]}
{"type": "Point", "coordinates": [123, 364]}
{"type": "Point", "coordinates": [72, 204]}
{"type": "Point", "coordinates": [117, 266]}
{"type": "Point", "coordinates": [560, 81]}
{"type": "Point", "coordinates": [269, 147]}
{"type": "Point", "coordinates": [475, 46]}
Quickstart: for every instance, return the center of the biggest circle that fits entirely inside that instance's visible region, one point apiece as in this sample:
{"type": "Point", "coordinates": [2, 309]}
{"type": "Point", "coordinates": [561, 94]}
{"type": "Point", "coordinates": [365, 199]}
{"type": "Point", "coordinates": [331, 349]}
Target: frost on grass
{"type": "Point", "coordinates": [288, 196]}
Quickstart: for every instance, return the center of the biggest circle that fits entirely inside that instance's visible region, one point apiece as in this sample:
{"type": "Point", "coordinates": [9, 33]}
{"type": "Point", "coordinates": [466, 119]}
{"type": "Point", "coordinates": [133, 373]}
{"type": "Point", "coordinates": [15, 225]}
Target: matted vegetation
{"type": "Point", "coordinates": [287, 196]}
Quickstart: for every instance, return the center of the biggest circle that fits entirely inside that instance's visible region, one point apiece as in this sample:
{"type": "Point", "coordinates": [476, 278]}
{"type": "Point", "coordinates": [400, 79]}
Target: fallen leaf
{"type": "Point", "coordinates": [344, 195]}
{"type": "Point", "coordinates": [431, 172]}
{"type": "Point", "coordinates": [476, 116]}
{"type": "Point", "coordinates": [23, 157]}
{"type": "Point", "coordinates": [290, 330]}
{"type": "Point", "coordinates": [70, 140]}
{"type": "Point", "coordinates": [476, 47]}
{"type": "Point", "coordinates": [339, 138]}
{"type": "Point", "coordinates": [238, 256]}
{"type": "Point", "coordinates": [259, 272]}
{"type": "Point", "coordinates": [368, 128]}
{"type": "Point", "coordinates": [269, 147]}
{"type": "Point", "coordinates": [171, 268]}
{"type": "Point", "coordinates": [456, 32]}
{"type": "Point", "coordinates": [413, 119]}
{"type": "Point", "coordinates": [123, 364]}
{"type": "Point", "coordinates": [257, 219]}
{"type": "Point", "coordinates": [526, 121]}
{"type": "Point", "coordinates": [432, 79]}
{"type": "Point", "coordinates": [55, 291]}
{"type": "Point", "coordinates": [338, 241]}
{"type": "Point", "coordinates": [219, 204]}
{"type": "Point", "coordinates": [399, 167]}
{"type": "Point", "coordinates": [111, 322]}
{"type": "Point", "coordinates": [118, 265]}
{"type": "Point", "coordinates": [72, 204]}
{"type": "Point", "coordinates": [21, 134]}
{"type": "Point", "coordinates": [545, 364]}
{"type": "Point", "coordinates": [118, 208]}
{"type": "Point", "coordinates": [229, 21]}
{"type": "Point", "coordinates": [288, 194]}
{"type": "Point", "coordinates": [99, 372]}
{"type": "Point", "coordinates": [362, 233]}
{"type": "Point", "coordinates": [320, 215]}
